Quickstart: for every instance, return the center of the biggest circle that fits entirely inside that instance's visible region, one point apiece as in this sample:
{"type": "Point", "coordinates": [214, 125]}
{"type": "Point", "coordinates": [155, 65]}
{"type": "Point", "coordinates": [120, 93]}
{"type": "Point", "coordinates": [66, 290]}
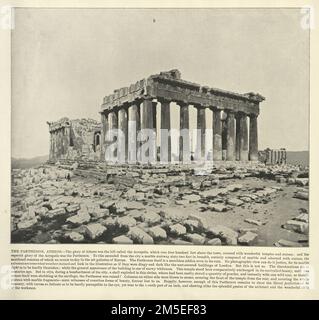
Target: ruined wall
{"type": "Point", "coordinates": [74, 139]}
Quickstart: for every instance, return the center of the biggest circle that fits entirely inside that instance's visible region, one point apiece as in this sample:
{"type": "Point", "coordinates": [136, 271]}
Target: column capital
{"type": "Point", "coordinates": [215, 108]}
{"type": "Point", "coordinates": [164, 100]}
{"type": "Point", "coordinates": [229, 111]}
{"type": "Point", "coordinates": [200, 106]}
{"type": "Point", "coordinates": [253, 115]}
{"type": "Point", "coordinates": [182, 103]}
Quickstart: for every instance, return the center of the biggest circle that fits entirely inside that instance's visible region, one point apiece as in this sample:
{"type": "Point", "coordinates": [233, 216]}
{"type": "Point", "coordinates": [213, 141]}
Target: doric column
{"type": "Point", "coordinates": [133, 129]}
{"type": "Point", "coordinates": [166, 146]}
{"type": "Point", "coordinates": [217, 135]}
{"type": "Point", "coordinates": [148, 148]}
{"type": "Point", "coordinates": [105, 128]}
{"type": "Point", "coordinates": [237, 144]}
{"type": "Point", "coordinates": [201, 127]}
{"type": "Point", "coordinates": [113, 125]}
{"type": "Point", "coordinates": [253, 138]}
{"type": "Point", "coordinates": [230, 153]}
{"type": "Point", "coordinates": [241, 137]}
{"type": "Point", "coordinates": [154, 103]}
{"type": "Point", "coordinates": [184, 143]}
{"type": "Point", "coordinates": [123, 137]}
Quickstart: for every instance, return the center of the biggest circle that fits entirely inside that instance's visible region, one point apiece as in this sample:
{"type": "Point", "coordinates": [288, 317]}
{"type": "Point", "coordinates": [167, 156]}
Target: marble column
{"type": "Point", "coordinates": [217, 135]}
{"type": "Point", "coordinates": [184, 140]}
{"type": "Point", "coordinates": [230, 151]}
{"type": "Point", "coordinates": [105, 127]}
{"type": "Point", "coordinates": [123, 137]}
{"type": "Point", "coordinates": [154, 103]}
{"type": "Point", "coordinates": [148, 148]}
{"type": "Point", "coordinates": [253, 138]}
{"type": "Point", "coordinates": [201, 127]}
{"type": "Point", "coordinates": [113, 125]}
{"type": "Point", "coordinates": [166, 145]}
{"type": "Point", "coordinates": [133, 129]}
{"type": "Point", "coordinates": [237, 144]}
{"type": "Point", "coordinates": [242, 137]}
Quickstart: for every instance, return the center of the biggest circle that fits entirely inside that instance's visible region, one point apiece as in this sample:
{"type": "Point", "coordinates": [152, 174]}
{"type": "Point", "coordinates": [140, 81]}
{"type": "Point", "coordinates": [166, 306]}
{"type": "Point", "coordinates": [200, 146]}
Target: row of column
{"type": "Point", "coordinates": [276, 156]}
{"type": "Point", "coordinates": [240, 144]}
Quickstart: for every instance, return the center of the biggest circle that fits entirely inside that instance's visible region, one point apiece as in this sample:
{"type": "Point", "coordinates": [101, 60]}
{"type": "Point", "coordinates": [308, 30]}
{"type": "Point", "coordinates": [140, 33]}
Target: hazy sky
{"type": "Point", "coordinates": [65, 60]}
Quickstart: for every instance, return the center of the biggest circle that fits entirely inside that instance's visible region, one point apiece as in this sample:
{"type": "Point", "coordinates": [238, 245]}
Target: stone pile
{"type": "Point", "coordinates": [140, 205]}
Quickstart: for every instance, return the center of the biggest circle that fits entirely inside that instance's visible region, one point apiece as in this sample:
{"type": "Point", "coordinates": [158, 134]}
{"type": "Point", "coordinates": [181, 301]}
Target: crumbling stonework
{"type": "Point", "coordinates": [228, 204]}
{"type": "Point", "coordinates": [75, 139]}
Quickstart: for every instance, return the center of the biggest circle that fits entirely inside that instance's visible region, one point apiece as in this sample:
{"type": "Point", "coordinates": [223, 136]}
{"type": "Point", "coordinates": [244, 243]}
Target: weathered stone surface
{"type": "Point", "coordinates": [191, 198]}
{"type": "Point", "coordinates": [151, 217]}
{"type": "Point", "coordinates": [214, 242]}
{"type": "Point", "coordinates": [177, 229]}
{"type": "Point", "coordinates": [249, 238]}
{"type": "Point", "coordinates": [99, 213]}
{"type": "Point", "coordinates": [95, 230]}
{"type": "Point", "coordinates": [72, 208]}
{"type": "Point", "coordinates": [181, 242]}
{"type": "Point", "coordinates": [234, 202]}
{"type": "Point", "coordinates": [303, 217]}
{"type": "Point", "coordinates": [191, 225]}
{"type": "Point", "coordinates": [122, 240]}
{"type": "Point", "coordinates": [218, 207]}
{"type": "Point", "coordinates": [302, 181]}
{"type": "Point", "coordinates": [182, 202]}
{"type": "Point", "coordinates": [227, 235]}
{"type": "Point", "coordinates": [195, 238]}
{"type": "Point", "coordinates": [126, 221]}
{"type": "Point", "coordinates": [297, 226]}
{"type": "Point", "coordinates": [55, 212]}
{"type": "Point", "coordinates": [74, 236]}
{"type": "Point", "coordinates": [42, 211]}
{"type": "Point", "coordinates": [210, 194]}
{"type": "Point", "coordinates": [79, 218]}
{"type": "Point", "coordinates": [202, 222]}
{"type": "Point", "coordinates": [27, 223]}
{"type": "Point", "coordinates": [157, 233]}
{"type": "Point", "coordinates": [302, 195]}
{"type": "Point", "coordinates": [287, 243]}
{"type": "Point", "coordinates": [234, 187]}
{"type": "Point", "coordinates": [140, 236]}
{"type": "Point", "coordinates": [255, 222]}
{"type": "Point", "coordinates": [107, 204]}
{"type": "Point", "coordinates": [134, 205]}
{"type": "Point", "coordinates": [174, 214]}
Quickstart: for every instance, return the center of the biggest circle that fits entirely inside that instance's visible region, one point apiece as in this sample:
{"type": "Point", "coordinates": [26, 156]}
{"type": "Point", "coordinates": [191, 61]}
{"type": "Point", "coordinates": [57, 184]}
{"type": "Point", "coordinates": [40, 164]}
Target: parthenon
{"type": "Point", "coordinates": [137, 103]}
{"type": "Point", "coordinates": [132, 111]}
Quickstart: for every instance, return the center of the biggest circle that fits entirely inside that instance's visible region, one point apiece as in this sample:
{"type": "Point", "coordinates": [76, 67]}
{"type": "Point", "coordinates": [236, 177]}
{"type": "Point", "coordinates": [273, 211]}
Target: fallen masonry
{"type": "Point", "coordinates": [157, 205]}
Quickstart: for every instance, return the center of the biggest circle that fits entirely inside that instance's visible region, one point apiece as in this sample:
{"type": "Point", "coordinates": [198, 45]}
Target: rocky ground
{"type": "Point", "coordinates": [247, 204]}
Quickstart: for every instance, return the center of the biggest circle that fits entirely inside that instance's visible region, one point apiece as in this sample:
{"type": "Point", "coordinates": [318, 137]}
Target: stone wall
{"type": "Point", "coordinates": [74, 139]}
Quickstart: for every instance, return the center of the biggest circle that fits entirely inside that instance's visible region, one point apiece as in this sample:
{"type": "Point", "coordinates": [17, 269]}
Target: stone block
{"type": "Point", "coordinates": [122, 240]}
{"type": "Point", "coordinates": [140, 236]}
{"type": "Point", "coordinates": [227, 235]}
{"type": "Point", "coordinates": [248, 239]}
{"type": "Point", "coordinates": [177, 229]}
{"type": "Point", "coordinates": [95, 230]}
{"type": "Point", "coordinates": [157, 233]}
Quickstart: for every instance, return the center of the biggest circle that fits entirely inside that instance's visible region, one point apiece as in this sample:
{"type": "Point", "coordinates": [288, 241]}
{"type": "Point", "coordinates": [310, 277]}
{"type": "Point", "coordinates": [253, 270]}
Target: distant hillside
{"type": "Point", "coordinates": [22, 163]}
{"type": "Point", "coordinates": [298, 158]}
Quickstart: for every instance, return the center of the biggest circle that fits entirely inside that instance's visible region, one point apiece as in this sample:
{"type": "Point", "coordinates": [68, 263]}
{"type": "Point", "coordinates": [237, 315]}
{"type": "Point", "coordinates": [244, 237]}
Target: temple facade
{"type": "Point", "coordinates": [132, 110]}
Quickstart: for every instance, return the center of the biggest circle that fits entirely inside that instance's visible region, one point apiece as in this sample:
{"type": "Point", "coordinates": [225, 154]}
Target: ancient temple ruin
{"type": "Point", "coordinates": [235, 129]}
{"type": "Point", "coordinates": [75, 139]}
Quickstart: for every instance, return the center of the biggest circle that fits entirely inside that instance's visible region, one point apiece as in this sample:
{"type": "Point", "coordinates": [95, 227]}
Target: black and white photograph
{"type": "Point", "coordinates": [177, 126]}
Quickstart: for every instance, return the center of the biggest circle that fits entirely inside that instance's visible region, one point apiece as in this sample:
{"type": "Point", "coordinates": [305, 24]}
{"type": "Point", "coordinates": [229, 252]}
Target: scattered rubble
{"type": "Point", "coordinates": [146, 205]}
